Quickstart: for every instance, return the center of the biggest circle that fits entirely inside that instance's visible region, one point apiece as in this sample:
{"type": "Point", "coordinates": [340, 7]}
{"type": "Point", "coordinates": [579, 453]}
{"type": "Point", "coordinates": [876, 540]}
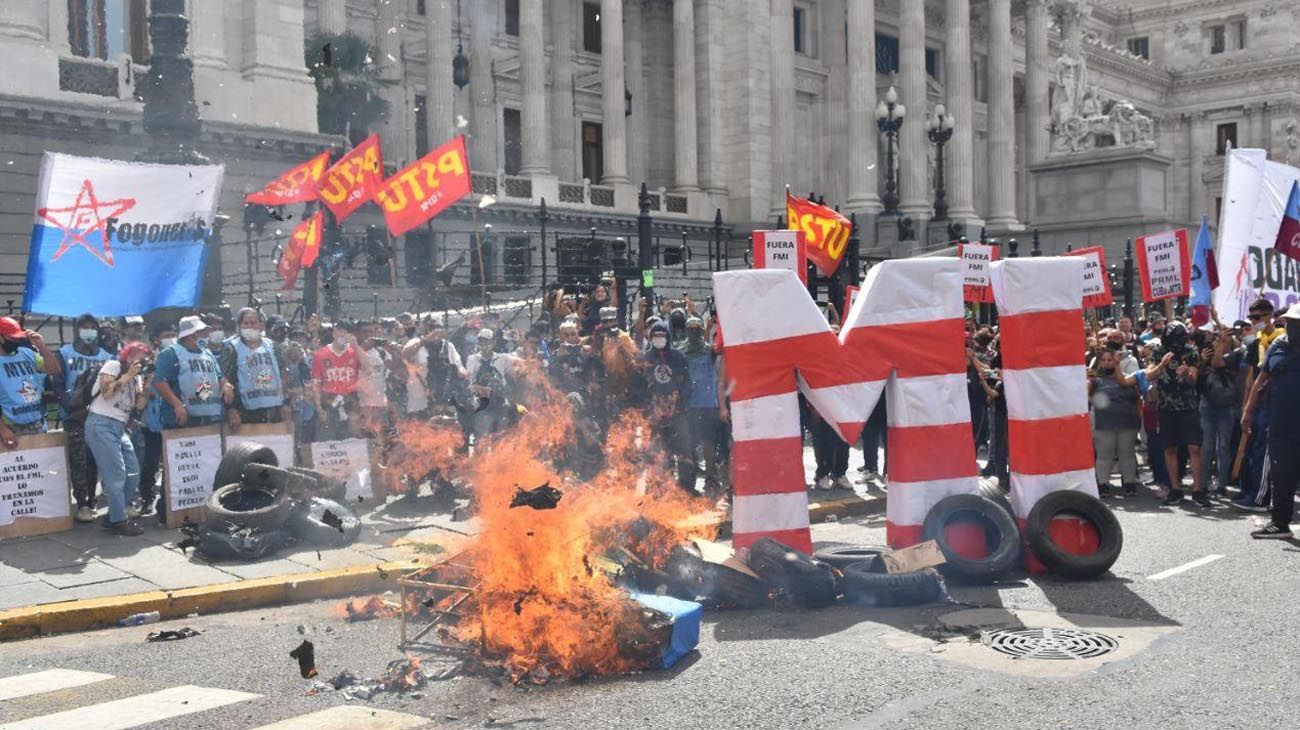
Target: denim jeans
{"type": "Point", "coordinates": [1216, 443]}
{"type": "Point", "coordinates": [119, 471]}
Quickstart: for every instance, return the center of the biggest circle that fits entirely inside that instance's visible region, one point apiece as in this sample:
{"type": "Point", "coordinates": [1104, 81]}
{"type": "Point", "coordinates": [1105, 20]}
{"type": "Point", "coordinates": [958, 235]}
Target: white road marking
{"type": "Point", "coordinates": [134, 711]}
{"type": "Point", "coordinates": [1184, 567]}
{"type": "Point", "coordinates": [23, 685]}
{"type": "Point", "coordinates": [346, 717]}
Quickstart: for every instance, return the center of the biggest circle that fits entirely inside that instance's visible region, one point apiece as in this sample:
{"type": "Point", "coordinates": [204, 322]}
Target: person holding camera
{"type": "Point", "coordinates": [27, 365]}
{"type": "Point", "coordinates": [250, 362]}
{"type": "Point", "coordinates": [120, 392]}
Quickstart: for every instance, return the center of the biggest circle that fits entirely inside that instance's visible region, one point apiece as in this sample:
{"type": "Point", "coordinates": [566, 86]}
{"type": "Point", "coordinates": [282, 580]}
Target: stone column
{"type": "Point", "coordinates": [484, 152]}
{"type": "Point", "coordinates": [532, 77]}
{"type": "Point", "coordinates": [1001, 120]}
{"type": "Point", "coordinates": [331, 15]}
{"type": "Point", "coordinates": [1196, 146]}
{"type": "Point", "coordinates": [208, 33]}
{"type": "Point", "coordinates": [685, 140]}
{"type": "Point", "coordinates": [710, 58]}
{"type": "Point", "coordinates": [613, 123]}
{"type": "Point", "coordinates": [783, 106]}
{"type": "Point", "coordinates": [439, 92]}
{"type": "Point", "coordinates": [638, 133]}
{"type": "Point", "coordinates": [960, 89]}
{"type": "Point", "coordinates": [563, 132]}
{"type": "Point", "coordinates": [22, 19]}
{"type": "Point", "coordinates": [1036, 79]}
{"type": "Point", "coordinates": [913, 183]}
{"type": "Point", "coordinates": [864, 138]}
{"type": "Point", "coordinates": [388, 54]}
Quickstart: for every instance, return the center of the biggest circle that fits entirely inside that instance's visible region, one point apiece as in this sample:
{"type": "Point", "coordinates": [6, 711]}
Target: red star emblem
{"type": "Point", "coordinates": [86, 216]}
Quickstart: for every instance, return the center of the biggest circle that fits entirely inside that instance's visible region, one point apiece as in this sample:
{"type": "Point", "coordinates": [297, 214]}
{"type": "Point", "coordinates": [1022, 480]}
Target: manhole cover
{"type": "Point", "coordinates": [1049, 643]}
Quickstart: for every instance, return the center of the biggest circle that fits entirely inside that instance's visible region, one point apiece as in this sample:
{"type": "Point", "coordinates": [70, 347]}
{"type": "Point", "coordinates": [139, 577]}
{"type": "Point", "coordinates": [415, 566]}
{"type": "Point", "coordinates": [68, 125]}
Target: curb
{"type": "Point", "coordinates": [95, 613]}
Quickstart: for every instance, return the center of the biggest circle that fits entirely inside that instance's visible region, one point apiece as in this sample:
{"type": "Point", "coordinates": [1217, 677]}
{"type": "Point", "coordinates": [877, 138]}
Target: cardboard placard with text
{"type": "Point", "coordinates": [977, 284]}
{"type": "Point", "coordinates": [348, 461]}
{"type": "Point", "coordinates": [1096, 281]}
{"type": "Point", "coordinates": [850, 296]}
{"type": "Point", "coordinates": [1164, 264]}
{"type": "Point", "coordinates": [190, 459]}
{"type": "Point", "coordinates": [278, 437]}
{"type": "Point", "coordinates": [35, 496]}
{"type": "Point", "coordinates": [781, 250]}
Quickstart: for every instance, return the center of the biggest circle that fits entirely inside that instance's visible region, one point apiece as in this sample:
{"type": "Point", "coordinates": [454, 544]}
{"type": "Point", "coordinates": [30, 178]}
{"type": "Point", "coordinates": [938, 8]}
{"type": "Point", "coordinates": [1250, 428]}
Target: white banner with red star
{"type": "Point", "coordinates": [118, 238]}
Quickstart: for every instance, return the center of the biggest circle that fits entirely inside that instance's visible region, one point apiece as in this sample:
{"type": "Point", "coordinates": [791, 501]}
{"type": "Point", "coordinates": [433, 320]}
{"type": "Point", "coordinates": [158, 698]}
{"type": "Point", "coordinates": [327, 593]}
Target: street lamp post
{"type": "Point", "coordinates": [939, 130]}
{"type": "Point", "coordinates": [889, 119]}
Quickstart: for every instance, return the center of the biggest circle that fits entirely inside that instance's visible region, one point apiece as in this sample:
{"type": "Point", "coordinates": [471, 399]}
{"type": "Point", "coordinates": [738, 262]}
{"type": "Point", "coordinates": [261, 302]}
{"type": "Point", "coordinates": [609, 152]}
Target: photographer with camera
{"type": "Point", "coordinates": [120, 392]}
{"type": "Point", "coordinates": [251, 363]}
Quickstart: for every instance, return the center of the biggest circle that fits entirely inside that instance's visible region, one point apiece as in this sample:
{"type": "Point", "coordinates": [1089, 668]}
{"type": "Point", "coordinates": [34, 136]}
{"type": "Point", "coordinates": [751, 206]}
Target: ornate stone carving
{"type": "Point", "coordinates": [1180, 29]}
{"type": "Point", "coordinates": [1267, 12]}
{"type": "Point", "coordinates": [1293, 142]}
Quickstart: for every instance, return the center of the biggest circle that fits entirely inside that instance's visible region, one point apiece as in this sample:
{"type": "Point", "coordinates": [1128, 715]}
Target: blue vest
{"type": "Point", "coordinates": [74, 364]}
{"type": "Point", "coordinates": [200, 382]}
{"type": "Point", "coordinates": [22, 388]}
{"type": "Point", "coordinates": [257, 375]}
{"type": "Point", "coordinates": [704, 380]}
{"type": "Point", "coordinates": [153, 412]}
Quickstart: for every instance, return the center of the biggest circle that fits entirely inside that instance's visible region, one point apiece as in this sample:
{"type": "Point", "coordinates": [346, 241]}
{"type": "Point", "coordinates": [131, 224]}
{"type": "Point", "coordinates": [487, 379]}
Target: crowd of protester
{"type": "Point", "coordinates": [1215, 406]}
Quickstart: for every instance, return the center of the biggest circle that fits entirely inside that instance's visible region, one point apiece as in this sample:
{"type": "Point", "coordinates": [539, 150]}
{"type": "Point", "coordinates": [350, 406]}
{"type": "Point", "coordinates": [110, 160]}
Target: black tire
{"type": "Point", "coordinates": [994, 492]}
{"type": "Point", "coordinates": [810, 582]}
{"type": "Point", "coordinates": [307, 523]}
{"type": "Point", "coordinates": [257, 507]}
{"type": "Point", "coordinates": [999, 529]}
{"type": "Point", "coordinates": [231, 468]}
{"type": "Point", "coordinates": [241, 544]}
{"type": "Point", "coordinates": [842, 556]}
{"type": "Point", "coordinates": [1065, 564]}
{"type": "Point", "coordinates": [694, 579]}
{"type": "Point", "coordinates": [866, 588]}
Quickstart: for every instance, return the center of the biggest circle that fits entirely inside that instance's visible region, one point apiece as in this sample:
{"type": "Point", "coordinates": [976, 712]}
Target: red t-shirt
{"type": "Point", "coordinates": [337, 374]}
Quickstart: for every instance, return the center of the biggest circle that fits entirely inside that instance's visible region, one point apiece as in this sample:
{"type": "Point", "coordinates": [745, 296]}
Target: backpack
{"type": "Point", "coordinates": [81, 395]}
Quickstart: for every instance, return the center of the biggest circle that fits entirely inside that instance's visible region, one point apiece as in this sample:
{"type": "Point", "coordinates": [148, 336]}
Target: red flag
{"type": "Point", "coordinates": [354, 179]}
{"type": "Point", "coordinates": [426, 187]}
{"type": "Point", "coordinates": [298, 185]}
{"type": "Point", "coordinates": [302, 249]}
{"type": "Point", "coordinates": [825, 231]}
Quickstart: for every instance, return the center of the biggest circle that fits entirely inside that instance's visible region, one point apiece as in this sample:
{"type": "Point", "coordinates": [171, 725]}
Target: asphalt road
{"type": "Point", "coordinates": [1211, 646]}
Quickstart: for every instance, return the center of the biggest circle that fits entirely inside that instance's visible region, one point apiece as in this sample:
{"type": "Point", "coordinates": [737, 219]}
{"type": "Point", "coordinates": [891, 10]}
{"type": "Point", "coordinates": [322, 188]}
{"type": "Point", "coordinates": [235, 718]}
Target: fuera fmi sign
{"type": "Point", "coordinates": [782, 250]}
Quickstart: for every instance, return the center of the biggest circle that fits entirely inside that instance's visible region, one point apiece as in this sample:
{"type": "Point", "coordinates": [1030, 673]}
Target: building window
{"type": "Point", "coordinates": [1140, 47]}
{"type": "Point", "coordinates": [419, 7]}
{"type": "Point", "coordinates": [516, 260]}
{"type": "Point", "coordinates": [421, 125]}
{"type": "Point", "coordinates": [593, 159]}
{"type": "Point", "coordinates": [932, 63]}
{"type": "Point", "coordinates": [805, 30]}
{"type": "Point", "coordinates": [106, 29]}
{"type": "Point", "coordinates": [591, 27]}
{"type": "Point", "coordinates": [981, 86]}
{"type": "Point", "coordinates": [1241, 34]}
{"type": "Point", "coordinates": [1225, 135]}
{"type": "Point", "coordinates": [886, 54]}
{"type": "Point", "coordinates": [1218, 38]}
{"type": "Point", "coordinates": [512, 124]}
{"type": "Point", "coordinates": [512, 17]}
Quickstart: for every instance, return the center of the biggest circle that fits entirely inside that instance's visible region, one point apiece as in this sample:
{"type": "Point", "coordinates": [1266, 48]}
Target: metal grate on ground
{"type": "Point", "coordinates": [1049, 643]}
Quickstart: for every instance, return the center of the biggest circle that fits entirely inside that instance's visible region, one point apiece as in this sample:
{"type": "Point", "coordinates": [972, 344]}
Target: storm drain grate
{"type": "Point", "coordinates": [1049, 643]}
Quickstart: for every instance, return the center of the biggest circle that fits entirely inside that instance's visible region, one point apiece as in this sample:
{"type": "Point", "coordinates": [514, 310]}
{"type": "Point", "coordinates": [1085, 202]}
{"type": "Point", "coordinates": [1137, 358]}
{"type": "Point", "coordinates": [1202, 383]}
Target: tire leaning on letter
{"type": "Point", "coordinates": [256, 507]}
{"type": "Point", "coordinates": [1084, 506]}
{"type": "Point", "coordinates": [997, 522]}
{"type": "Point", "coordinates": [231, 467]}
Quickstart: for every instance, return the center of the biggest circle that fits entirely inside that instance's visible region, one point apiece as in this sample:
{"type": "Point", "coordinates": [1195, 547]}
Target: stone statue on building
{"type": "Point", "coordinates": [1293, 143]}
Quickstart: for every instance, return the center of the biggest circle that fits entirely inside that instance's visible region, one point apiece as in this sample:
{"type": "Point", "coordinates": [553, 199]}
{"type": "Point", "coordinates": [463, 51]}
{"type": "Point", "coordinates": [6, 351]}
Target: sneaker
{"type": "Point", "coordinates": [1130, 489]}
{"type": "Point", "coordinates": [870, 476]}
{"type": "Point", "coordinates": [1201, 498]}
{"type": "Point", "coordinates": [842, 483]}
{"type": "Point", "coordinates": [1249, 506]}
{"type": "Point", "coordinates": [863, 469]}
{"type": "Point", "coordinates": [1272, 532]}
{"type": "Point", "coordinates": [824, 484]}
{"type": "Point", "coordinates": [133, 510]}
{"type": "Point", "coordinates": [1103, 490]}
{"type": "Point", "coordinates": [146, 508]}
{"type": "Point", "coordinates": [126, 528]}
{"type": "Point", "coordinates": [1173, 497]}
{"type": "Point", "coordinates": [85, 514]}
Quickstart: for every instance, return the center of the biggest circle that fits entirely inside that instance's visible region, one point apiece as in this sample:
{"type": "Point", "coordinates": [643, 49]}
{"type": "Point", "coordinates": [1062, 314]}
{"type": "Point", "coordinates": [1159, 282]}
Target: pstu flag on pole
{"type": "Point", "coordinates": [354, 179]}
{"type": "Point", "coordinates": [118, 238]}
{"type": "Point", "coordinates": [299, 185]}
{"type": "Point", "coordinates": [302, 249]}
{"type": "Point", "coordinates": [1288, 234]}
{"type": "Point", "coordinates": [1205, 275]}
{"type": "Point", "coordinates": [825, 231]}
{"type": "Point", "coordinates": [425, 188]}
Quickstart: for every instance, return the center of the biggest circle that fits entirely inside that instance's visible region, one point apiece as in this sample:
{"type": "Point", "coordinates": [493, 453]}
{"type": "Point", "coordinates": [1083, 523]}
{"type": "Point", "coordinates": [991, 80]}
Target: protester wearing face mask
{"type": "Point", "coordinates": [75, 358]}
{"type": "Point", "coordinates": [1278, 390]}
{"type": "Point", "coordinates": [572, 364]}
{"type": "Point", "coordinates": [702, 410]}
{"type": "Point", "coordinates": [488, 371]}
{"type": "Point", "coordinates": [1254, 470]}
{"type": "Point", "coordinates": [335, 372]}
{"type": "Point", "coordinates": [1179, 412]}
{"type": "Point", "coordinates": [132, 329]}
{"type": "Point", "coordinates": [164, 336]}
{"type": "Point", "coordinates": [1116, 420]}
{"type": "Point", "coordinates": [372, 383]}
{"type": "Point", "coordinates": [219, 333]}
{"type": "Point", "coordinates": [120, 391]}
{"type": "Point", "coordinates": [22, 381]}
{"type": "Point", "coordinates": [250, 364]}
{"type": "Point", "coordinates": [189, 379]}
{"type": "Point", "coordinates": [435, 364]}
{"type": "Point", "coordinates": [667, 381]}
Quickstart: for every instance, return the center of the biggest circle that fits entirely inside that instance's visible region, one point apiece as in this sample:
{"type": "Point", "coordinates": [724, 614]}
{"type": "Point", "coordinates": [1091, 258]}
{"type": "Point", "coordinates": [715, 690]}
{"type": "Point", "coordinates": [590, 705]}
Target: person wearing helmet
{"type": "Point", "coordinates": [667, 378]}
{"type": "Point", "coordinates": [75, 358]}
{"type": "Point", "coordinates": [1178, 402]}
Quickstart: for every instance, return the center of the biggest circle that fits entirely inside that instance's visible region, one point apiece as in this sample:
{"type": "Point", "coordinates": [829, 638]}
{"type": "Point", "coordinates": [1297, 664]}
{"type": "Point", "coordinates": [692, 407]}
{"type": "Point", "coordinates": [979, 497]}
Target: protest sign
{"type": "Point", "coordinates": [277, 437]}
{"type": "Point", "coordinates": [850, 296]}
{"type": "Point", "coordinates": [1255, 195]}
{"type": "Point", "coordinates": [34, 491]}
{"type": "Point", "coordinates": [348, 461]}
{"type": "Point", "coordinates": [1165, 265]}
{"type": "Point", "coordinates": [425, 188]}
{"type": "Point", "coordinates": [781, 250]}
{"type": "Point", "coordinates": [118, 238]}
{"type": "Point", "coordinates": [1096, 282]}
{"type": "Point", "coordinates": [975, 259]}
{"type": "Point", "coordinates": [190, 459]}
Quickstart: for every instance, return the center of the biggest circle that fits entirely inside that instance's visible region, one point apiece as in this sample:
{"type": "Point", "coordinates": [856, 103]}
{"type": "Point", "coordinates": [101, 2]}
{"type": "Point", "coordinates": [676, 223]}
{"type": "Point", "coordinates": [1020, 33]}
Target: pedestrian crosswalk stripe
{"type": "Point", "coordinates": [349, 717]}
{"type": "Point", "coordinates": [134, 711]}
{"type": "Point", "coordinates": [23, 685]}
